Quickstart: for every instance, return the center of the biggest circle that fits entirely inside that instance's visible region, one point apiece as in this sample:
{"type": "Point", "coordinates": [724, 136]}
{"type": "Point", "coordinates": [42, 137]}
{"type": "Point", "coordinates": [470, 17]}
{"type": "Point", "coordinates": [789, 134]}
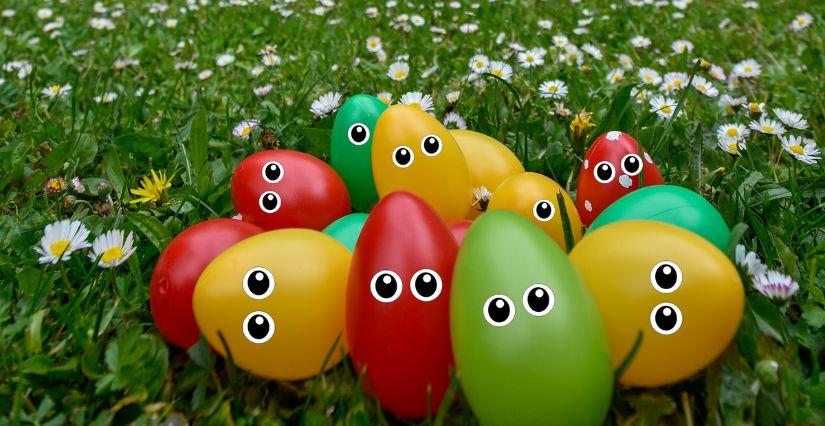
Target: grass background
{"type": "Point", "coordinates": [77, 343]}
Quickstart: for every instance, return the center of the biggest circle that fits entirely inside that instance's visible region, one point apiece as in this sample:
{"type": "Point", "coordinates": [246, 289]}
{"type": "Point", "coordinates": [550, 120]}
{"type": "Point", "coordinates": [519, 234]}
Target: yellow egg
{"type": "Point", "coordinates": [278, 300]}
{"type": "Point", "coordinates": [677, 289]}
{"type": "Point", "coordinates": [412, 151]}
{"type": "Point", "coordinates": [489, 161]}
{"type": "Point", "coordinates": [534, 196]}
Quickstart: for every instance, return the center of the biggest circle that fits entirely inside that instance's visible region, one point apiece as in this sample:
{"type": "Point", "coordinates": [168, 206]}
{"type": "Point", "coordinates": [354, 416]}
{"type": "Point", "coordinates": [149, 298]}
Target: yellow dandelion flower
{"type": "Point", "coordinates": [151, 190]}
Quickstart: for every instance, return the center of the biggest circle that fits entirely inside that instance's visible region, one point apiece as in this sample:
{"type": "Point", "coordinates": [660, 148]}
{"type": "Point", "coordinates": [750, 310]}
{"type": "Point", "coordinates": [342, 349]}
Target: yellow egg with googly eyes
{"type": "Point", "coordinates": [414, 152]}
{"type": "Point", "coordinates": [534, 196]}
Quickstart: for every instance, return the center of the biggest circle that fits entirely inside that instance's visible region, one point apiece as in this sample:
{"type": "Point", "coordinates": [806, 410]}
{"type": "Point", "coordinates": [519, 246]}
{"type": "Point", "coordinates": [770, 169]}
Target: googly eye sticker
{"type": "Point", "coordinates": [499, 310]}
{"type": "Point", "coordinates": [666, 276]}
{"type": "Point", "coordinates": [272, 172]}
{"type": "Point", "coordinates": [386, 286]}
{"type": "Point", "coordinates": [258, 283]}
{"type": "Point", "coordinates": [258, 327]}
{"type": "Point", "coordinates": [403, 157]}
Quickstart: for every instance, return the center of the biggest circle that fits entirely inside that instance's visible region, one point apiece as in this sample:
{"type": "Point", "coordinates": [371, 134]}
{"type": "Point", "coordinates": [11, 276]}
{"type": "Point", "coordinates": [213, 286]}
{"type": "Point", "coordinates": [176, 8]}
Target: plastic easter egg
{"type": "Point", "coordinates": [614, 166]}
{"type": "Point", "coordinates": [489, 161]}
{"type": "Point", "coordinates": [351, 147]}
{"type": "Point", "coordinates": [669, 204]}
{"type": "Point", "coordinates": [398, 294]}
{"type": "Point", "coordinates": [346, 229]}
{"type": "Point", "coordinates": [412, 151]}
{"type": "Point", "coordinates": [288, 189]}
{"type": "Point", "coordinates": [534, 196]}
{"type": "Point", "coordinates": [178, 269]}
{"type": "Point", "coordinates": [277, 300]}
{"type": "Point", "coordinates": [459, 229]}
{"type": "Point", "coordinates": [530, 347]}
{"type": "Point", "coordinates": [673, 286]}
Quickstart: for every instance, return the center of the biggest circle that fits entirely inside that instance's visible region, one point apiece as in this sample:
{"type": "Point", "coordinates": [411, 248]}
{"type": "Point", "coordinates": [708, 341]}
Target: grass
{"type": "Point", "coordinates": [78, 342]}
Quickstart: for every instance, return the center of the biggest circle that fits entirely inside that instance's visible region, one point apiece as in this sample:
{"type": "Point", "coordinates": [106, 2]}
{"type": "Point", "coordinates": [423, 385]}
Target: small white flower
{"type": "Point", "coordinates": [545, 24]}
{"type": "Point", "coordinates": [224, 60]}
{"type": "Point", "coordinates": [791, 119]}
{"type": "Point", "coordinates": [106, 98]}
{"type": "Point", "coordinates": [205, 75]}
{"type": "Point", "coordinates": [326, 104]}
{"type": "Point", "coordinates": [560, 40]}
{"type": "Point", "coordinates": [501, 70]}
{"type": "Point", "coordinates": [385, 97]}
{"type": "Point", "coordinates": [704, 87]}
{"type": "Point", "coordinates": [749, 261]}
{"type": "Point", "coordinates": [479, 64]}
{"type": "Point", "coordinates": [419, 100]}
{"type": "Point", "coordinates": [625, 62]}
{"type": "Point", "coordinates": [111, 249]}
{"type": "Point", "coordinates": [271, 59]}
{"type": "Point", "coordinates": [592, 51]}
{"type": "Point", "coordinates": [767, 126]}
{"type": "Point", "coordinates": [732, 146]}
{"type": "Point", "coordinates": [649, 76]}
{"type": "Point", "coordinates": [531, 58]}
{"type": "Point", "coordinates": [640, 41]}
{"type": "Point", "coordinates": [663, 107]}
{"type": "Point", "coordinates": [747, 68]}
{"type": "Point", "coordinates": [256, 71]}
{"type": "Point", "coordinates": [263, 90]}
{"type": "Point", "coordinates": [681, 46]}
{"type": "Point", "coordinates": [454, 121]}
{"type": "Point", "coordinates": [804, 150]}
{"type": "Point", "coordinates": [171, 23]}
{"type": "Point", "coordinates": [615, 76]}
{"type": "Point", "coordinates": [801, 22]}
{"type": "Point", "coordinates": [728, 103]}
{"type": "Point", "coordinates": [775, 285]}
{"type": "Point", "coordinates": [244, 129]}
{"type": "Point", "coordinates": [44, 13]}
{"type": "Point", "coordinates": [452, 97]}
{"type": "Point", "coordinates": [374, 44]}
{"type": "Point", "coordinates": [398, 71]}
{"type": "Point", "coordinates": [554, 89]}
{"type": "Point", "coordinates": [56, 90]}
{"type": "Point", "coordinates": [102, 24]}
{"type": "Point", "coordinates": [733, 132]}
{"type": "Point", "coordinates": [674, 81]}
{"type": "Point", "coordinates": [61, 239]}
{"type": "Point", "coordinates": [717, 72]}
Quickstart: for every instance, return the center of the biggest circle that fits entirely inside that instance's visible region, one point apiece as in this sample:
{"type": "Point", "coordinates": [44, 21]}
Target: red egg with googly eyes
{"type": "Point", "coordinates": [398, 303]}
{"type": "Point", "coordinates": [614, 165]}
{"type": "Point", "coordinates": [281, 188]}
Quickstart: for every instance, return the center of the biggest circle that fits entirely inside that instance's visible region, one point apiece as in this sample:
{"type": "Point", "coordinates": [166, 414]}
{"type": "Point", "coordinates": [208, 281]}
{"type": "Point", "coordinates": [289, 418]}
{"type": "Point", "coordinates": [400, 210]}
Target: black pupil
{"type": "Point", "coordinates": [431, 144]}
{"type": "Point", "coordinates": [258, 283]}
{"type": "Point", "coordinates": [544, 210]}
{"type": "Point", "coordinates": [426, 284]}
{"type": "Point", "coordinates": [402, 156]}
{"type": "Point", "coordinates": [631, 164]}
{"type": "Point", "coordinates": [604, 172]}
{"type": "Point", "coordinates": [272, 171]}
{"type": "Point", "coordinates": [499, 310]}
{"type": "Point", "coordinates": [665, 276]}
{"type": "Point", "coordinates": [386, 286]}
{"type": "Point", "coordinates": [270, 201]}
{"type": "Point", "coordinates": [258, 326]}
{"type": "Point", "coordinates": [358, 133]}
{"type": "Point", "coordinates": [666, 318]}
{"type": "Point", "coordinates": [538, 299]}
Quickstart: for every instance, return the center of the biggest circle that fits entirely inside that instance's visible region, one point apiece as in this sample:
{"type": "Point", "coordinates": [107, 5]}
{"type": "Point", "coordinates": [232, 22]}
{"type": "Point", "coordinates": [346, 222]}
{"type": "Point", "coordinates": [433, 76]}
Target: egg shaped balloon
{"type": "Point", "coordinates": [489, 161]}
{"type": "Point", "coordinates": [398, 329]}
{"type": "Point", "coordinates": [673, 286]}
{"type": "Point", "coordinates": [613, 167]}
{"type": "Point", "coordinates": [530, 347]}
{"type": "Point", "coordinates": [459, 229]}
{"type": "Point", "coordinates": [534, 197]}
{"type": "Point", "coordinates": [281, 188]}
{"type": "Point", "coordinates": [412, 151]}
{"type": "Point", "coordinates": [278, 301]}
{"type": "Point", "coordinates": [351, 147]}
{"type": "Point", "coordinates": [669, 204]}
{"type": "Point", "coordinates": [178, 269]}
{"type": "Point", "coordinates": [347, 229]}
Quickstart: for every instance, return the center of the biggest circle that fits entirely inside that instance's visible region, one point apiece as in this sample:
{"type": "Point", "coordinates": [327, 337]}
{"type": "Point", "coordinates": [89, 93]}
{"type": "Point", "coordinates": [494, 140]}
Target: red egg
{"type": "Point", "coordinates": [178, 269]}
{"type": "Point", "coordinates": [459, 229]}
{"type": "Point", "coordinates": [612, 168]}
{"type": "Point", "coordinates": [288, 189]}
{"type": "Point", "coordinates": [398, 325]}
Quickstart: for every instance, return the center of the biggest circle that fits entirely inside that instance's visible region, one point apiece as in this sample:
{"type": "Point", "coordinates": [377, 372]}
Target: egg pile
{"type": "Point", "coordinates": [427, 278]}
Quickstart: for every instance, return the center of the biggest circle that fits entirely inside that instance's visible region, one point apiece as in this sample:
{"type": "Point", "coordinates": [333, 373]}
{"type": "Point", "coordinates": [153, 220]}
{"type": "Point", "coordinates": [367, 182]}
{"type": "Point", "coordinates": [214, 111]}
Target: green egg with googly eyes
{"type": "Point", "coordinates": [529, 344]}
{"type": "Point", "coordinates": [351, 147]}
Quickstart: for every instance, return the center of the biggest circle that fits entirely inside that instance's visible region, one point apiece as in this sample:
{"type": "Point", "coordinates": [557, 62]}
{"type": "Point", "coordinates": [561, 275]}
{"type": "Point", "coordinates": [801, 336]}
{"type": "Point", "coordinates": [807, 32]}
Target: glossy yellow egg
{"type": "Point", "coordinates": [412, 151]}
{"type": "Point", "coordinates": [278, 300]}
{"type": "Point", "coordinates": [534, 196]}
{"type": "Point", "coordinates": [677, 289]}
{"type": "Point", "coordinates": [489, 161]}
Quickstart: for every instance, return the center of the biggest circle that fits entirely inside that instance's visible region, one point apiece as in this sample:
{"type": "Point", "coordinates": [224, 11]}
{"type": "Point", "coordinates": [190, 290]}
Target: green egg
{"type": "Point", "coordinates": [351, 147]}
{"type": "Point", "coordinates": [347, 229]}
{"type": "Point", "coordinates": [669, 204]}
{"type": "Point", "coordinates": [529, 344]}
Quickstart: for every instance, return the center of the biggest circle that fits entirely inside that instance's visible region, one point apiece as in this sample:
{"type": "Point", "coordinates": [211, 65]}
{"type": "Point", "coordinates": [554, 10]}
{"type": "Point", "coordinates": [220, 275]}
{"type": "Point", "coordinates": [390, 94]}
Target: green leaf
{"type": "Point", "coordinates": [198, 140]}
{"type": "Point", "coordinates": [143, 146]}
{"type": "Point", "coordinates": [151, 228]}
{"type": "Point", "coordinates": [114, 171]}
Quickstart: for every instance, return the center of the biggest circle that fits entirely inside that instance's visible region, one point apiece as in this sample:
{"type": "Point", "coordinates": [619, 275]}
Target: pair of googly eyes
{"type": "Point", "coordinates": [403, 156]}
{"type": "Point", "coordinates": [605, 171]}
{"type": "Point", "coordinates": [386, 285]}
{"type": "Point", "coordinates": [666, 277]}
{"type": "Point", "coordinates": [538, 300]}
{"type": "Point", "coordinates": [270, 201]}
{"type": "Point", "coordinates": [258, 326]}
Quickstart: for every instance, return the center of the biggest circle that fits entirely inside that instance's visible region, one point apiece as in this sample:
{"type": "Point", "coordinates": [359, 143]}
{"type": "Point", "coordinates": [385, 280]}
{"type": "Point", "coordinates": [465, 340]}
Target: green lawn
{"type": "Point", "coordinates": [77, 341]}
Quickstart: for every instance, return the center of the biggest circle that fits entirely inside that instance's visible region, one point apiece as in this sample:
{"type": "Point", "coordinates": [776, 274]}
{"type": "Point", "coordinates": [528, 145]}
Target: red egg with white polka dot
{"type": "Point", "coordinates": [615, 165]}
{"type": "Point", "coordinates": [282, 188]}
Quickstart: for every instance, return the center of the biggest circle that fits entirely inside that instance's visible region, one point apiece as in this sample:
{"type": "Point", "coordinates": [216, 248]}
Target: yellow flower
{"type": "Point", "coordinates": [581, 124]}
{"type": "Point", "coordinates": [151, 190]}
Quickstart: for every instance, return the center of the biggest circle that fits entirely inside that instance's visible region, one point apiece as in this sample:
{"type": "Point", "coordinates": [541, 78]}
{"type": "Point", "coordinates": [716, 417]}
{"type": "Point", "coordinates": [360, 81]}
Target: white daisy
{"type": "Point", "coordinates": [791, 119]}
{"type": "Point", "coordinates": [732, 131]}
{"type": "Point", "coordinates": [398, 71]}
{"type": "Point", "coordinates": [244, 129]}
{"type": "Point", "coordinates": [674, 81]}
{"type": "Point", "coordinates": [531, 58]}
{"type": "Point", "coordinates": [717, 72]}
{"type": "Point", "coordinates": [640, 41]}
{"type": "Point", "coordinates": [111, 249]}
{"type": "Point", "coordinates": [417, 20]}
{"type": "Point", "coordinates": [649, 76]}
{"type": "Point", "coordinates": [326, 104]}
{"type": "Point", "coordinates": [61, 239]}
{"type": "Point", "coordinates": [545, 24]}
{"type": "Point", "coordinates": [625, 62]}
{"type": "Point", "coordinates": [804, 150]}
{"type": "Point", "coordinates": [56, 90]}
{"type": "Point", "coordinates": [662, 106]}
{"type": "Point", "coordinates": [263, 90]}
{"type": "Point", "coordinates": [106, 98]}
{"type": "Point", "coordinates": [374, 44]}
{"type": "Point", "coordinates": [732, 146]}
{"type": "Point", "coordinates": [224, 60]}
{"type": "Point", "coordinates": [775, 285]}
{"type": "Point", "coordinates": [271, 59]}
{"type": "Point", "coordinates": [560, 40]}
{"type": "Point", "coordinates": [681, 46]}
{"type": "Point", "coordinates": [554, 89]}
{"type": "Point", "coordinates": [452, 97]}
{"type": "Point", "coordinates": [705, 87]}
{"type": "Point", "coordinates": [749, 261]}
{"type": "Point", "coordinates": [767, 126]}
{"type": "Point", "coordinates": [802, 21]}
{"type": "Point", "coordinates": [418, 99]}
{"type": "Point", "coordinates": [479, 64]}
{"type": "Point", "coordinates": [454, 121]}
{"type": "Point", "coordinates": [205, 75]}
{"type": "Point", "coordinates": [747, 68]}
{"type": "Point", "coordinates": [501, 70]}
{"type": "Point", "coordinates": [729, 103]}
{"type": "Point", "coordinates": [615, 76]}
{"type": "Point", "coordinates": [385, 97]}
{"type": "Point", "coordinates": [592, 51]}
